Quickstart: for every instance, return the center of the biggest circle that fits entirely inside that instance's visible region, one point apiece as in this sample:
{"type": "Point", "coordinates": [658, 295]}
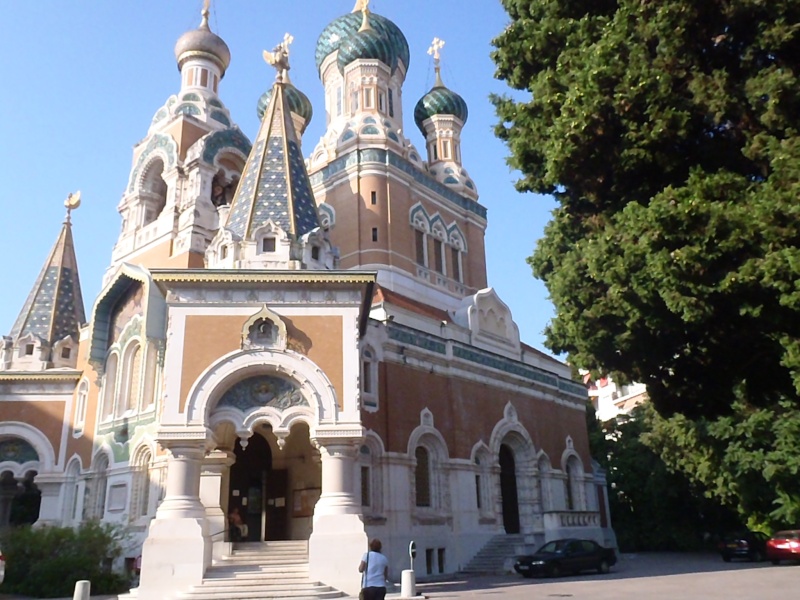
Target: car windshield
{"type": "Point", "coordinates": [788, 535]}
{"type": "Point", "coordinates": [557, 546]}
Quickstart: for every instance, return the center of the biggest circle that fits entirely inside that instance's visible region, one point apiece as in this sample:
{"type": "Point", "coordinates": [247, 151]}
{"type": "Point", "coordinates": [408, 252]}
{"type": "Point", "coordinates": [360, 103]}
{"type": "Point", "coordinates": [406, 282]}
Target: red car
{"type": "Point", "coordinates": [784, 545]}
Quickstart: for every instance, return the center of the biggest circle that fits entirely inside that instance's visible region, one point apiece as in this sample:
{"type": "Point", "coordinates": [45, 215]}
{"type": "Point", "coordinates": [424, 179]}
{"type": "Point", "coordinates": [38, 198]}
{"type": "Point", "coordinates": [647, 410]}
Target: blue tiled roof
{"type": "Point", "coordinates": [275, 183]}
{"type": "Point", "coordinates": [54, 308]}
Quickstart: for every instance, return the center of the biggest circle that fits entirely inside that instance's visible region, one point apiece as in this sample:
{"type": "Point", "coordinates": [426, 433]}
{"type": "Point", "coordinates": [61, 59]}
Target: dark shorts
{"type": "Point", "coordinates": [374, 593]}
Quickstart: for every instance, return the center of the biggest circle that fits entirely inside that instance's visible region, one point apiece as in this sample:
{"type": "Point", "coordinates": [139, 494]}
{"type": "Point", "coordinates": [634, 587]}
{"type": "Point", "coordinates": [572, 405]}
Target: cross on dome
{"type": "Point", "coordinates": [361, 5]}
{"type": "Point", "coordinates": [72, 202]}
{"type": "Point", "coordinates": [436, 45]}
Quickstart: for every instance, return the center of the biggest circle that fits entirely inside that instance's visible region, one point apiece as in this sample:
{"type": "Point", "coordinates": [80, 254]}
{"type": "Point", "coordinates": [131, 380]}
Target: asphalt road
{"type": "Point", "coordinates": [651, 576]}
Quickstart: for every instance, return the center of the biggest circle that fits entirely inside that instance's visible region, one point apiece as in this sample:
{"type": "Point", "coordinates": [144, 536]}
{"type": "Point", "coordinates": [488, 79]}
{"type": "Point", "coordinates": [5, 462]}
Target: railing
{"type": "Point", "coordinates": [571, 518]}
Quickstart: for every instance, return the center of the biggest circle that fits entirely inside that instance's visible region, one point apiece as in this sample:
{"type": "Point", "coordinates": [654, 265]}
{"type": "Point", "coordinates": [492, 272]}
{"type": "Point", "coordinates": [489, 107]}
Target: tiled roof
{"type": "Point", "coordinates": [275, 183]}
{"type": "Point", "coordinates": [404, 302]}
{"type": "Point", "coordinates": [54, 308]}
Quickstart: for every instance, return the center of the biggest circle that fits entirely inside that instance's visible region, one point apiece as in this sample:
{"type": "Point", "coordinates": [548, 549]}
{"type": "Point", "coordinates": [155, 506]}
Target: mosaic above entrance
{"type": "Point", "coordinates": [264, 390]}
{"type": "Point", "coordinates": [18, 451]}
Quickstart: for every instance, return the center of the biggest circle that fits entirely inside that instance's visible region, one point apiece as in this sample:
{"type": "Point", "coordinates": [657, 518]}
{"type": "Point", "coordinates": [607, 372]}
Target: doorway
{"type": "Point", "coordinates": [508, 490]}
{"type": "Point", "coordinates": [259, 491]}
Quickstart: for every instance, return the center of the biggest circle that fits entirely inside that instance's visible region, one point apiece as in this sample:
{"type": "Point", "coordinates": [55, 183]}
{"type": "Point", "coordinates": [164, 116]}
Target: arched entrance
{"type": "Point", "coordinates": [508, 490]}
{"type": "Point", "coordinates": [259, 491]}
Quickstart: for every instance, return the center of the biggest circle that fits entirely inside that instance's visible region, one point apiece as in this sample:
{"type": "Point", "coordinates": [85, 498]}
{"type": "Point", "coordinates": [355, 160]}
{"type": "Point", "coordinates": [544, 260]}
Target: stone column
{"type": "Point", "coordinates": [175, 553]}
{"type": "Point", "coordinates": [213, 495]}
{"type": "Point", "coordinates": [338, 540]}
{"type": "Point", "coordinates": [50, 509]}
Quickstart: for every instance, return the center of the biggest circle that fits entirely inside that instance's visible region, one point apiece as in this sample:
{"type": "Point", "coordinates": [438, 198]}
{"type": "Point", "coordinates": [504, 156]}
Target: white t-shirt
{"type": "Point", "coordinates": [375, 569]}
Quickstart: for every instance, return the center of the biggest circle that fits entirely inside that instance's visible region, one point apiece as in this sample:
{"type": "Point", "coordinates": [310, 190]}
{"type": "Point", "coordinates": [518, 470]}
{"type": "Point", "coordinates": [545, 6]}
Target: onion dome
{"type": "Point", "coordinates": [368, 44]}
{"type": "Point", "coordinates": [298, 103]}
{"type": "Point", "coordinates": [334, 36]}
{"type": "Point", "coordinates": [439, 101]}
{"type": "Point", "coordinates": [202, 42]}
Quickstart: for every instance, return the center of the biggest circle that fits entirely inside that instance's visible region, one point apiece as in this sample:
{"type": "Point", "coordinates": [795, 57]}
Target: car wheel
{"type": "Point", "coordinates": [555, 570]}
{"type": "Point", "coordinates": [603, 568]}
{"type": "Point", "coordinates": [726, 558]}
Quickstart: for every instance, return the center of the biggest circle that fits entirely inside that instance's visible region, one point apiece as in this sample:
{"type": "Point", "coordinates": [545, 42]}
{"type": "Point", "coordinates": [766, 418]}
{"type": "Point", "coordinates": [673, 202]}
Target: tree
{"type": "Point", "coordinates": [652, 507]}
{"type": "Point", "coordinates": [667, 132]}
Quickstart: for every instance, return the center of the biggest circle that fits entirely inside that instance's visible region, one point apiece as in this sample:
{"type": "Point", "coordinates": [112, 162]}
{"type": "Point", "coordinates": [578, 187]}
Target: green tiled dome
{"type": "Point", "coordinates": [340, 29]}
{"type": "Point", "coordinates": [367, 44]}
{"type": "Point", "coordinates": [298, 103]}
{"type": "Point", "coordinates": [439, 101]}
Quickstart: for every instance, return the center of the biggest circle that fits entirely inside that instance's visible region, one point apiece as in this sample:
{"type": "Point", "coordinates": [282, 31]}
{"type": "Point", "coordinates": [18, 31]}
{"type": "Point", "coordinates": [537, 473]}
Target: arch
{"type": "Point", "coordinates": [153, 190]}
{"type": "Point", "coordinates": [418, 217]}
{"type": "Point", "coordinates": [429, 466]}
{"type": "Point", "coordinates": [81, 402]}
{"type": "Point", "coordinates": [142, 482]}
{"type": "Point", "coordinates": [96, 507]}
{"type": "Point", "coordinates": [160, 146]}
{"type": "Point", "coordinates": [109, 387]}
{"type": "Point", "coordinates": [39, 441]}
{"type": "Point", "coordinates": [231, 140]}
{"type": "Point", "coordinates": [71, 489]}
{"type": "Point", "coordinates": [572, 466]}
{"type": "Point", "coordinates": [313, 384]}
{"type": "Point", "coordinates": [130, 378]}
{"type": "Point", "coordinates": [456, 237]}
{"type": "Point", "coordinates": [481, 458]}
{"type": "Point", "coordinates": [327, 215]}
{"type": "Point", "coordinates": [370, 463]}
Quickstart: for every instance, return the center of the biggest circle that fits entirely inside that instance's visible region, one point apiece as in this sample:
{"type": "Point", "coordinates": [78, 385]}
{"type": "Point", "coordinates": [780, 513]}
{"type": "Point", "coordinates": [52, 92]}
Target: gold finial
{"type": "Point", "coordinates": [204, 13]}
{"type": "Point", "coordinates": [72, 202]}
{"type": "Point", "coordinates": [361, 5]}
{"type": "Point", "coordinates": [279, 58]}
{"type": "Point", "coordinates": [364, 16]}
{"type": "Point", "coordinates": [436, 46]}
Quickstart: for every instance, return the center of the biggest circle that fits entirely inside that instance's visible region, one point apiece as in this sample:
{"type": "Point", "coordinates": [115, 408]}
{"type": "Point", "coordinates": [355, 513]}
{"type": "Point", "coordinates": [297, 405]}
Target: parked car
{"type": "Point", "coordinates": [751, 545]}
{"type": "Point", "coordinates": [566, 556]}
{"type": "Point", "coordinates": [784, 545]}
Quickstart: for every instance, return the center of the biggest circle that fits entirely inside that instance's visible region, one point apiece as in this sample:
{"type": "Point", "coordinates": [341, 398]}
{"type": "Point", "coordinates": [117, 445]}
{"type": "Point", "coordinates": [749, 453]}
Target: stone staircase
{"type": "Point", "coordinates": [261, 570]}
{"type": "Point", "coordinates": [498, 555]}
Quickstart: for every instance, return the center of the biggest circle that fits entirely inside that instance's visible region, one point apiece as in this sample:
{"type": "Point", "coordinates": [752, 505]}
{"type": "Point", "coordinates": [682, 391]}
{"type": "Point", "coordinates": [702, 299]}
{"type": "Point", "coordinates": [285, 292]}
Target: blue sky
{"type": "Point", "coordinates": [82, 80]}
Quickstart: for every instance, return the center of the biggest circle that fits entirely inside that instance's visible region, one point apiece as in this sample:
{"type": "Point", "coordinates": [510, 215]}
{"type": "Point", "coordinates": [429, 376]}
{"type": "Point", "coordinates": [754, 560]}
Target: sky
{"type": "Point", "coordinates": [81, 81]}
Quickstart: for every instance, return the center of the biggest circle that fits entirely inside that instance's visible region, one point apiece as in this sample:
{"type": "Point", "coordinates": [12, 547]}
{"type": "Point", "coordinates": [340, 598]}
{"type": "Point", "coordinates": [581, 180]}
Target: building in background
{"type": "Point", "coordinates": [309, 341]}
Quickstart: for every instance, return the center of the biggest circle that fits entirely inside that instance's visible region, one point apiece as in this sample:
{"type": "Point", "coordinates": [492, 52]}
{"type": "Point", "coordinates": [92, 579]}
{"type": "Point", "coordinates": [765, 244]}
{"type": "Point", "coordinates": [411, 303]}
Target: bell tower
{"type": "Point", "coordinates": [187, 166]}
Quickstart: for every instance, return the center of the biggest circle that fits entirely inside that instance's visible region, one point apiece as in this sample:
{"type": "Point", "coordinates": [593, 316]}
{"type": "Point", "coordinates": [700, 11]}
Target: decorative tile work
{"type": "Point", "coordinates": [342, 28]}
{"type": "Point", "coordinates": [221, 117]}
{"type": "Point", "coordinates": [227, 138]}
{"type": "Point", "coordinates": [412, 337]}
{"type": "Point", "coordinates": [264, 390]}
{"type": "Point", "coordinates": [52, 310]}
{"type": "Point", "coordinates": [157, 142]}
{"type": "Point", "coordinates": [187, 109]}
{"type": "Point", "coordinates": [384, 156]}
{"type": "Point", "coordinates": [18, 451]}
{"type": "Point", "coordinates": [275, 185]}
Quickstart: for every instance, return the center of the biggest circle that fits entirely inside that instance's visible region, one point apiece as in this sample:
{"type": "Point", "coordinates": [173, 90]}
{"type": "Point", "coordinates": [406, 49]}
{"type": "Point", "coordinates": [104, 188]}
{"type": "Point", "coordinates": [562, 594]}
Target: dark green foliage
{"type": "Point", "coordinates": [668, 133]}
{"type": "Point", "coordinates": [652, 507]}
{"type": "Point", "coordinates": [45, 562]}
{"type": "Point", "coordinates": [749, 460]}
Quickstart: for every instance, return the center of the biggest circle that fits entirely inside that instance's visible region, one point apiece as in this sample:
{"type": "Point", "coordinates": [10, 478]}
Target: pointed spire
{"type": "Point", "coordinates": [54, 308]}
{"type": "Point", "coordinates": [365, 26]}
{"type": "Point", "coordinates": [204, 14]}
{"type": "Point", "coordinates": [274, 185]}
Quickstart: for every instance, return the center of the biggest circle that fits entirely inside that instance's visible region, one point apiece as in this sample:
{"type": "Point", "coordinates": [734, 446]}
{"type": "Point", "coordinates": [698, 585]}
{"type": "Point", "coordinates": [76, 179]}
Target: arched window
{"type": "Point", "coordinates": [142, 482]}
{"type": "Point", "coordinates": [95, 508]}
{"type": "Point", "coordinates": [153, 192]}
{"type": "Point", "coordinates": [80, 407]}
{"type": "Point", "coordinates": [72, 493]}
{"type": "Point", "coordinates": [109, 388]}
{"type": "Point", "coordinates": [369, 378]}
{"type": "Point", "coordinates": [130, 380]}
{"type": "Point", "coordinates": [543, 484]}
{"type": "Point", "coordinates": [574, 472]}
{"type": "Point", "coordinates": [422, 477]}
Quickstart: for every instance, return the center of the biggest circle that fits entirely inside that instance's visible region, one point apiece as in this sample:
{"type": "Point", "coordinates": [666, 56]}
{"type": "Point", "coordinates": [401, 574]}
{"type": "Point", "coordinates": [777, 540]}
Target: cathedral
{"type": "Point", "coordinates": [302, 334]}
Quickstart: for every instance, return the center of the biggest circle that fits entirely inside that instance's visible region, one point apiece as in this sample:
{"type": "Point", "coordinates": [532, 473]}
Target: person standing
{"type": "Point", "coordinates": [375, 569]}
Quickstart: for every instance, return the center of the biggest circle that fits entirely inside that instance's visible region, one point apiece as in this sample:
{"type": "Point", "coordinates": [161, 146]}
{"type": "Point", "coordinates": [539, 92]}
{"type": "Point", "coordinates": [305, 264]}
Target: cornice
{"type": "Point", "coordinates": [40, 376]}
{"type": "Point", "coordinates": [211, 276]}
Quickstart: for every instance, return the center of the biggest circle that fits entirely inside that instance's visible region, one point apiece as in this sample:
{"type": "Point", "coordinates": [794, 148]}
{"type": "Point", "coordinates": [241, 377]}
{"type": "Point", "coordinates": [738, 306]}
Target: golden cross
{"type": "Point", "coordinates": [361, 5]}
{"type": "Point", "coordinates": [436, 45]}
{"type": "Point", "coordinates": [279, 57]}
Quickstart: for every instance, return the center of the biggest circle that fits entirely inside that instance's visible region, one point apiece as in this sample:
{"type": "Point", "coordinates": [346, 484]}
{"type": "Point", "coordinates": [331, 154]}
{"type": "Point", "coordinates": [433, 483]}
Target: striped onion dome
{"type": "Point", "coordinates": [342, 28]}
{"type": "Point", "coordinates": [367, 44]}
{"type": "Point", "coordinates": [439, 101]}
{"type": "Point", "coordinates": [298, 104]}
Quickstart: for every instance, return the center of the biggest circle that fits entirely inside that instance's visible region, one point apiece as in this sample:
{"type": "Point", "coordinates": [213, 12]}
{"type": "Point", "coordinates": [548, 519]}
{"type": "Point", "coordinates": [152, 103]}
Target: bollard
{"type": "Point", "coordinates": [408, 584]}
{"type": "Point", "coordinates": [82, 590]}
